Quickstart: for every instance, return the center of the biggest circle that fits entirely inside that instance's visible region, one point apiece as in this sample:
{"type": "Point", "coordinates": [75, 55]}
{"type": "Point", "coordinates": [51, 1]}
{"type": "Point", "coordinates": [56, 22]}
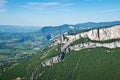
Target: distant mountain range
{"type": "Point", "coordinates": [47, 29]}
{"type": "Point", "coordinates": [57, 30]}
{"type": "Point", "coordinates": [94, 24]}
{"type": "Point", "coordinates": [47, 33]}
{"type": "Point", "coordinates": [80, 26]}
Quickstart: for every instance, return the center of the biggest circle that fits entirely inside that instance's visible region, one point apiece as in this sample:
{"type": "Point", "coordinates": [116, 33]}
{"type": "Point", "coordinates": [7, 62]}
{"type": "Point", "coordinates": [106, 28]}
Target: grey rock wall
{"type": "Point", "coordinates": [80, 46]}
{"type": "Point", "coordinates": [95, 34]}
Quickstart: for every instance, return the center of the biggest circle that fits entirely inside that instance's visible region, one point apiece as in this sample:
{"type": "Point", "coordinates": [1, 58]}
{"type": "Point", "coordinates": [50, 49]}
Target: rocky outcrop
{"type": "Point", "coordinates": [80, 46]}
{"type": "Point", "coordinates": [93, 34]}
{"type": "Point", "coordinates": [53, 60]}
{"type": "Point", "coordinates": [103, 33]}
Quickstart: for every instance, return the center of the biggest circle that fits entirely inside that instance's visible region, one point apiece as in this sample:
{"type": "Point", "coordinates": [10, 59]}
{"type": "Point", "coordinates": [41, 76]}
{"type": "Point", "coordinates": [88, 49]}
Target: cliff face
{"type": "Point", "coordinates": [103, 33]}
{"type": "Point", "coordinates": [94, 34]}
{"type": "Point", "coordinates": [80, 46]}
{"type": "Point", "coordinates": [53, 60]}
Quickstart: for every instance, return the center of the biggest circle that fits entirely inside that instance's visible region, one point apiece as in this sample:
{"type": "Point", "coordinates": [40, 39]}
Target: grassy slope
{"type": "Point", "coordinates": [24, 68]}
{"type": "Point", "coordinates": [87, 64]}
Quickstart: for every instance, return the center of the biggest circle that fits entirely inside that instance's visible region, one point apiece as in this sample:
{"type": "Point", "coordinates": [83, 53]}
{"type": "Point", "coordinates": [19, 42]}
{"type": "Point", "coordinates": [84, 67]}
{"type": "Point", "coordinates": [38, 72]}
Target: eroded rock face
{"type": "Point", "coordinates": [80, 46]}
{"type": "Point", "coordinates": [95, 34]}
{"type": "Point", "coordinates": [103, 33]}
{"type": "Point", "coordinates": [53, 60]}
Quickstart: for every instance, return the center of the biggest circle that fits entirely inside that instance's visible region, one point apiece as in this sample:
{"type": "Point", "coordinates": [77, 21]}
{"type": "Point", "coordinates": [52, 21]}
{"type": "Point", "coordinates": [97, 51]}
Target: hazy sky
{"type": "Point", "coordinates": [57, 12]}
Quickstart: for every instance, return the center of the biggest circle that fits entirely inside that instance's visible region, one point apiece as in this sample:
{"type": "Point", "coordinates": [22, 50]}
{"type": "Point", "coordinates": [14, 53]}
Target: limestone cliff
{"type": "Point", "coordinates": [103, 33]}
{"type": "Point", "coordinates": [80, 46]}
{"type": "Point", "coordinates": [53, 60]}
{"type": "Point", "coordinates": [99, 34]}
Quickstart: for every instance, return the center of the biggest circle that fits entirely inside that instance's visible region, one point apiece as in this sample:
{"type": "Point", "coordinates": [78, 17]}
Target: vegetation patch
{"type": "Point", "coordinates": [84, 40]}
{"type": "Point", "coordinates": [88, 64]}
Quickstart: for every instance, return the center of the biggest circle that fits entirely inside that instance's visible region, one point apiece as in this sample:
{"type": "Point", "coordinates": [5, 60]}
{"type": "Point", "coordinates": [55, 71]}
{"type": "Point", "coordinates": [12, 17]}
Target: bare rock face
{"type": "Point", "coordinates": [51, 61]}
{"type": "Point", "coordinates": [103, 33]}
{"type": "Point", "coordinates": [80, 46]}
{"type": "Point", "coordinates": [94, 34]}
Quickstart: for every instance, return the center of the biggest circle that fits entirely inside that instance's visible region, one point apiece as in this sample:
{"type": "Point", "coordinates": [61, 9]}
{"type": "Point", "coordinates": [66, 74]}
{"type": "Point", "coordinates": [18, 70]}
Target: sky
{"type": "Point", "coordinates": [57, 12]}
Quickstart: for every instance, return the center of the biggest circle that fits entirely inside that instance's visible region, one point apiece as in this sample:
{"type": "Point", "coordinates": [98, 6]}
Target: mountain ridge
{"type": "Point", "coordinates": [93, 34]}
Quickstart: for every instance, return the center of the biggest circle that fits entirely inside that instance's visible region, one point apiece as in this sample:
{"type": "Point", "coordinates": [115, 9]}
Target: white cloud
{"type": "Point", "coordinates": [40, 5]}
{"type": "Point", "coordinates": [2, 5]}
{"type": "Point", "coordinates": [67, 10]}
{"type": "Point", "coordinates": [45, 5]}
{"type": "Point", "coordinates": [111, 10]}
{"type": "Point", "coordinates": [67, 4]}
{"type": "Point", "coordinates": [93, 0]}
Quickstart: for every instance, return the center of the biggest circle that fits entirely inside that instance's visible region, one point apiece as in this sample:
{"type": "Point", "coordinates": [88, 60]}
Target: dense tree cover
{"type": "Point", "coordinates": [88, 64]}
{"type": "Point", "coordinates": [24, 68]}
{"type": "Point", "coordinates": [84, 40]}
